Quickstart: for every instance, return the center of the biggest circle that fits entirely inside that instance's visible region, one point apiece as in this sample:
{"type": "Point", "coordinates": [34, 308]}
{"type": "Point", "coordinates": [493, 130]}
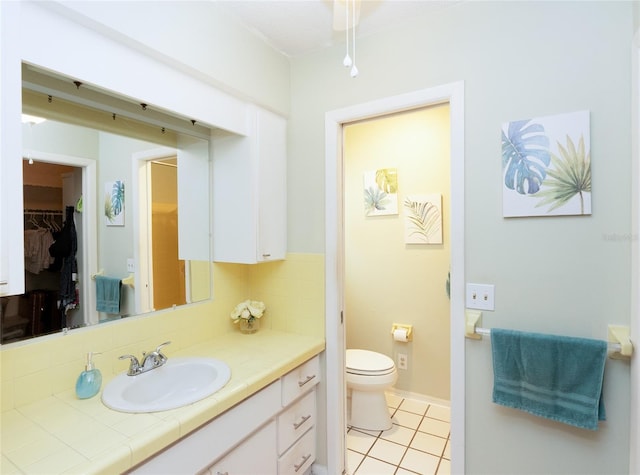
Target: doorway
{"type": "Point", "coordinates": [334, 261]}
{"type": "Point", "coordinates": [52, 187]}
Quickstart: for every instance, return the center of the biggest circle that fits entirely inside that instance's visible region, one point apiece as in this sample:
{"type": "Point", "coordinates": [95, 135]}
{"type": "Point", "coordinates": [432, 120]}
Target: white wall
{"type": "Point", "coordinates": [565, 275]}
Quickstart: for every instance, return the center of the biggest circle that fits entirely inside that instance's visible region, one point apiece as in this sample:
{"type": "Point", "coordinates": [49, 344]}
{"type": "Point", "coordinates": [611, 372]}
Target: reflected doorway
{"type": "Point", "coordinates": [168, 270]}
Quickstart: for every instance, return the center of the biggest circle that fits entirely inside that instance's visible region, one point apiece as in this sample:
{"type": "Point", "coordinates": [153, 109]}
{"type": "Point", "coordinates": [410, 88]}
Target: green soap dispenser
{"type": "Point", "coordinates": [90, 380]}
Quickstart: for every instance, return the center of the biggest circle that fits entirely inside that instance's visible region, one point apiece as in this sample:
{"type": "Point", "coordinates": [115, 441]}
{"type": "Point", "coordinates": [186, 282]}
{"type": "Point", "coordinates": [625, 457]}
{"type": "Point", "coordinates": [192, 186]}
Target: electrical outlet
{"type": "Point", "coordinates": [402, 361]}
{"type": "Point", "coordinates": [131, 267]}
{"type": "Point", "coordinates": [480, 296]}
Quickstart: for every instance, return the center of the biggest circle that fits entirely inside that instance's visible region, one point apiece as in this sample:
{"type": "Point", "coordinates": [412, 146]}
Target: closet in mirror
{"type": "Point", "coordinates": [116, 200]}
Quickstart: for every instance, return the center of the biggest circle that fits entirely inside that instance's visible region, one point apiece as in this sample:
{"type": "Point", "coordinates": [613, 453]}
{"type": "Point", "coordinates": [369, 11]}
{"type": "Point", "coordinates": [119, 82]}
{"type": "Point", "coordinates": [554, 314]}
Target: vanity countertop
{"type": "Point", "coordinates": [64, 434]}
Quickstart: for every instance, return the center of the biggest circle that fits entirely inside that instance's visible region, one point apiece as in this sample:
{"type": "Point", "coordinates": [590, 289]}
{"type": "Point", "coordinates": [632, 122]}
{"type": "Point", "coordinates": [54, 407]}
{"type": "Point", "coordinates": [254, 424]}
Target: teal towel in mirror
{"type": "Point", "coordinates": [555, 377]}
{"type": "Point", "coordinates": [108, 294]}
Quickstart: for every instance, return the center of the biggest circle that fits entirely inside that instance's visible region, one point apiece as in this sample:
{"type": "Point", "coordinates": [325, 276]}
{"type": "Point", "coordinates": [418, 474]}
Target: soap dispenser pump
{"type": "Point", "coordinates": [90, 380]}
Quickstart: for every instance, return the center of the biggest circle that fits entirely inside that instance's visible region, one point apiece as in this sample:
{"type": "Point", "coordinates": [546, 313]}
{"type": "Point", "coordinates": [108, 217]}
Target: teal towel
{"type": "Point", "coordinates": [108, 294]}
{"type": "Point", "coordinates": [556, 377]}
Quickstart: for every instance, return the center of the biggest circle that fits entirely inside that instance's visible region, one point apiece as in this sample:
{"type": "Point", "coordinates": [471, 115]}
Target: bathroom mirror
{"type": "Point", "coordinates": [154, 237]}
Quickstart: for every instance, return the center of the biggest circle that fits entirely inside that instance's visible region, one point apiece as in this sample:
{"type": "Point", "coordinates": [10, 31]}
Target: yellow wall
{"type": "Point", "coordinates": [293, 291]}
{"type": "Point", "coordinates": [386, 280]}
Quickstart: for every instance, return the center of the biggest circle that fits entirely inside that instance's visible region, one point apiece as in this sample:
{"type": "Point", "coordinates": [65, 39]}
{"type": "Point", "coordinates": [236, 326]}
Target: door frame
{"type": "Point", "coordinates": [634, 410]}
{"type": "Point", "coordinates": [335, 346]}
{"type": "Point", "coordinates": [89, 227]}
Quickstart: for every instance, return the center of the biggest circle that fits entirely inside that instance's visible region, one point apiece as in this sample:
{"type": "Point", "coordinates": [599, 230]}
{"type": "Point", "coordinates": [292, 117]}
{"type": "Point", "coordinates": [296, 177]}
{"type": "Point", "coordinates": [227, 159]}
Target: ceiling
{"type": "Point", "coordinates": [297, 27]}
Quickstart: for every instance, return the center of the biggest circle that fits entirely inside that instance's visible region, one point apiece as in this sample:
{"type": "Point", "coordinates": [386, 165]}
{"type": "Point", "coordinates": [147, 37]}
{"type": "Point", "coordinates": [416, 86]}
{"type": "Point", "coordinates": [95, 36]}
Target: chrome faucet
{"type": "Point", "coordinates": [150, 361]}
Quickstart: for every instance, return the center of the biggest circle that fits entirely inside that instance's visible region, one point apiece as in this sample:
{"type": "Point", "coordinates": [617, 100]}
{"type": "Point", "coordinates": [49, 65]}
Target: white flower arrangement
{"type": "Point", "coordinates": [249, 310]}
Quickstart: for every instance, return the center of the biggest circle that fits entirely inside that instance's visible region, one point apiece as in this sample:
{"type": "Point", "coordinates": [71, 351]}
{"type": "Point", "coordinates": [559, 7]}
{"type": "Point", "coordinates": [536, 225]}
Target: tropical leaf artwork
{"type": "Point", "coordinates": [525, 156]}
{"type": "Point", "coordinates": [547, 166]}
{"type": "Point", "coordinates": [423, 219]}
{"type": "Point", "coordinates": [381, 192]}
{"type": "Point", "coordinates": [114, 203]}
{"type": "Point", "coordinates": [568, 176]}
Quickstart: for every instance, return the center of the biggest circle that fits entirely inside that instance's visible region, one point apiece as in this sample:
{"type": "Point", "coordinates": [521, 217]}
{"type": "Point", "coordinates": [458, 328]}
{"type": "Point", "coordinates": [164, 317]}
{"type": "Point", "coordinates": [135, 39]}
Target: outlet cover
{"type": "Point", "coordinates": [480, 296]}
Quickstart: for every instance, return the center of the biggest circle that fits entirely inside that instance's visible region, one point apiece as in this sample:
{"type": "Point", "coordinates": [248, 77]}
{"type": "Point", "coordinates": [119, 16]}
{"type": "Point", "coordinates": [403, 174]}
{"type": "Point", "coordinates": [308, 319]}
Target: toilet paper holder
{"type": "Point", "coordinates": [402, 326]}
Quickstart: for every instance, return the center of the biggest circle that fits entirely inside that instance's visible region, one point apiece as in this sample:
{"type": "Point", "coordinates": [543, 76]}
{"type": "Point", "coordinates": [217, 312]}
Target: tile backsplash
{"type": "Point", "coordinates": [293, 291]}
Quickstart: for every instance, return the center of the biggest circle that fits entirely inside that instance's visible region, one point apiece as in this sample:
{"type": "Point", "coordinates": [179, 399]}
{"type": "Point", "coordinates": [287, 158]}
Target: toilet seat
{"type": "Point", "coordinates": [368, 363]}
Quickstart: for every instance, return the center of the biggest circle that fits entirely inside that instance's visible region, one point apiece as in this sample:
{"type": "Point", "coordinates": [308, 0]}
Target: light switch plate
{"type": "Point", "coordinates": [480, 296]}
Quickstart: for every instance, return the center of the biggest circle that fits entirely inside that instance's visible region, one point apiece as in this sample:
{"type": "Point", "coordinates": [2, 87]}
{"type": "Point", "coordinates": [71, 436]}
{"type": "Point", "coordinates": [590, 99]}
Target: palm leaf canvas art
{"type": "Point", "coordinates": [114, 203]}
{"type": "Point", "coordinates": [381, 192]}
{"type": "Point", "coordinates": [546, 164]}
{"type": "Point", "coordinates": [423, 219]}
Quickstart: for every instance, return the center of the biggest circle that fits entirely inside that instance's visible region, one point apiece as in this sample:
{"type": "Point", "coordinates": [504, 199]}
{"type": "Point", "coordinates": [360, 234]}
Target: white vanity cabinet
{"type": "Point", "coordinates": [271, 432]}
{"type": "Point", "coordinates": [257, 454]}
{"type": "Point", "coordinates": [250, 191]}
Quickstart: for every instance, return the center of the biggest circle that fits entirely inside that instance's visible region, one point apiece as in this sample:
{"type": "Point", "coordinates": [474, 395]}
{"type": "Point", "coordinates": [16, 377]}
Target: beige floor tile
{"type": "Point", "coordinates": [387, 451]}
{"type": "Point", "coordinates": [439, 412]}
{"type": "Point", "coordinates": [406, 419]}
{"type": "Point", "coordinates": [435, 427]}
{"type": "Point", "coordinates": [416, 407]}
{"type": "Point", "coordinates": [371, 466]}
{"type": "Point", "coordinates": [420, 462]}
{"type": "Point", "coordinates": [428, 443]}
{"type": "Point", "coordinates": [399, 435]}
{"type": "Point", "coordinates": [359, 441]}
{"type": "Point", "coordinates": [444, 468]}
{"type": "Point", "coordinates": [447, 450]}
{"type": "Point", "coordinates": [353, 460]}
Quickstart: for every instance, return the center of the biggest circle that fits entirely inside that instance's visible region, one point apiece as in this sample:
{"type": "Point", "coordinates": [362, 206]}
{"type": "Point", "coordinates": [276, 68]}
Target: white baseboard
{"type": "Point", "coordinates": [419, 397]}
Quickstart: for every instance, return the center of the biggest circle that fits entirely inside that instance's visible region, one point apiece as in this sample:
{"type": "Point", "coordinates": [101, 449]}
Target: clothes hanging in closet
{"type": "Point", "coordinates": [36, 250]}
{"type": "Point", "coordinates": [64, 251]}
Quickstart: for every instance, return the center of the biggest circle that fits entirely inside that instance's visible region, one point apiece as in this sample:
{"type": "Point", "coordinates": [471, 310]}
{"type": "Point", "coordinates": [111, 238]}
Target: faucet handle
{"type": "Point", "coordinates": [161, 345]}
{"type": "Point", "coordinates": [162, 358]}
{"type": "Point", "coordinates": [134, 367]}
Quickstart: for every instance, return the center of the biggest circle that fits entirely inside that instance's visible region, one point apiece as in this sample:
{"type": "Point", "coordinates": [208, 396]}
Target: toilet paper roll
{"type": "Point", "coordinates": [400, 334]}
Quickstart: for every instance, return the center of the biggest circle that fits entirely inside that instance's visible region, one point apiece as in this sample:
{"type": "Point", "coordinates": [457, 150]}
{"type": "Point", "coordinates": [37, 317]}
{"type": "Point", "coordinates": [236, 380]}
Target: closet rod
{"type": "Point", "coordinates": [43, 211]}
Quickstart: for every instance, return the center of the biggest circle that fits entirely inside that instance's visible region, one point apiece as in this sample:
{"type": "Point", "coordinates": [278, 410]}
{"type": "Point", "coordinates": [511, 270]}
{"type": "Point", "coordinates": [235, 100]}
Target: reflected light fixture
{"type": "Point", "coordinates": [32, 119]}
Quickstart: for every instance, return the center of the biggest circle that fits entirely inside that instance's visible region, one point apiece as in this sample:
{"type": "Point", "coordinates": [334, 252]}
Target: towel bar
{"type": "Point", "coordinates": [126, 281]}
{"type": "Point", "coordinates": [617, 347]}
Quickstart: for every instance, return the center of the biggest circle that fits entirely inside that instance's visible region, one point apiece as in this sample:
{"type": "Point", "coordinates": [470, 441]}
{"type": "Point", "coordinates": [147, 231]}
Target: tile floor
{"type": "Point", "coordinates": [418, 442]}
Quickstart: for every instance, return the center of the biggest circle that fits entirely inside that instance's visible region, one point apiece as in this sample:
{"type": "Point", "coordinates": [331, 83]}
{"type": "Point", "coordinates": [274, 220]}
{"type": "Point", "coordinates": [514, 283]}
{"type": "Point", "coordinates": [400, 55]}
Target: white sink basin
{"type": "Point", "coordinates": [179, 382]}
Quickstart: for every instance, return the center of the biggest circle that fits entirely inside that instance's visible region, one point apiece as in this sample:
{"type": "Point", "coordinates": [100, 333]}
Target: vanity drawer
{"type": "Point", "coordinates": [296, 420]}
{"type": "Point", "coordinates": [300, 380]}
{"type": "Point", "coordinates": [299, 458]}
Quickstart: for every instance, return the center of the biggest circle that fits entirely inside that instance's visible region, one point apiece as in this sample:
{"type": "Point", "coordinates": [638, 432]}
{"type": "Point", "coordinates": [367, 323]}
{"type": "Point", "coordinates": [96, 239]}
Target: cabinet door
{"type": "Point", "coordinates": [11, 225]}
{"type": "Point", "coordinates": [271, 133]}
{"type": "Point", "coordinates": [250, 191]}
{"type": "Point", "coordinates": [257, 454]}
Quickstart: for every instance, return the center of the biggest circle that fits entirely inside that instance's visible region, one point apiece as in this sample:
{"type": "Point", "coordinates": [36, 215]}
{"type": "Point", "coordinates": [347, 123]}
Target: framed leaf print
{"type": "Point", "coordinates": [546, 165]}
{"type": "Point", "coordinates": [381, 192]}
{"type": "Point", "coordinates": [114, 203]}
{"type": "Point", "coordinates": [423, 219]}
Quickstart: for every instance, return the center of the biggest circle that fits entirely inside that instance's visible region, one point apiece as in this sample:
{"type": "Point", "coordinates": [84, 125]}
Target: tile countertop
{"type": "Point", "coordinates": [64, 434]}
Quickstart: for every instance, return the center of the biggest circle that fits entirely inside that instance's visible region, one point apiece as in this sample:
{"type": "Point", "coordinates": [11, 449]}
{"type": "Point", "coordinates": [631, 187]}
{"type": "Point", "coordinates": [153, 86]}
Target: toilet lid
{"type": "Point", "coordinates": [365, 361]}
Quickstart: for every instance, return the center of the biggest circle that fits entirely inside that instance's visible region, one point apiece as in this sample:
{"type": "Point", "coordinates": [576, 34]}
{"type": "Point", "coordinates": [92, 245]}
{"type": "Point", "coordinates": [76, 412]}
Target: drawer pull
{"type": "Point", "coordinates": [3, 282]}
{"type": "Point", "coordinates": [298, 424]}
{"type": "Point", "coordinates": [309, 378]}
{"type": "Point", "coordinates": [221, 473]}
{"type": "Point", "coordinates": [304, 460]}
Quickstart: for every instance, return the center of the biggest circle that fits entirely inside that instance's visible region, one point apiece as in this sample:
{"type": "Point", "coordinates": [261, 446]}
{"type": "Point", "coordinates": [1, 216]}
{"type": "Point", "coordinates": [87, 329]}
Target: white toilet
{"type": "Point", "coordinates": [369, 374]}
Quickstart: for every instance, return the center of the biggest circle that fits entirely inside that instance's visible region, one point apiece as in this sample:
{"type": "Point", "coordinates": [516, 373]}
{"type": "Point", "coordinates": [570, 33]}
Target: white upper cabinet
{"type": "Point", "coordinates": [250, 191]}
{"type": "Point", "coordinates": [11, 225]}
